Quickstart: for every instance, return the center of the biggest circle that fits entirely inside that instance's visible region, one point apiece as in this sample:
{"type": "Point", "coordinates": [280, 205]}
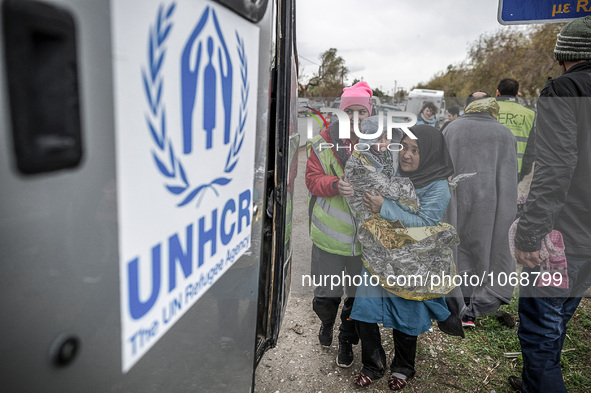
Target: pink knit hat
{"type": "Point", "coordinates": [358, 94]}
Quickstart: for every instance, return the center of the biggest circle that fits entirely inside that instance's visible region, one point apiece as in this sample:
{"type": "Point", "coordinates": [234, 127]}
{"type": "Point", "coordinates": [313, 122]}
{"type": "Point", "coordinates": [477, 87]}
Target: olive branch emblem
{"type": "Point", "coordinates": [167, 162]}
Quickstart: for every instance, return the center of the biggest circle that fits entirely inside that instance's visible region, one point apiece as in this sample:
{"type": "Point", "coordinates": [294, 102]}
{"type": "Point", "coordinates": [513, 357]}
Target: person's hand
{"type": "Point", "coordinates": [345, 188]}
{"type": "Point", "coordinates": [528, 259]}
{"type": "Point", "coordinates": [373, 202]}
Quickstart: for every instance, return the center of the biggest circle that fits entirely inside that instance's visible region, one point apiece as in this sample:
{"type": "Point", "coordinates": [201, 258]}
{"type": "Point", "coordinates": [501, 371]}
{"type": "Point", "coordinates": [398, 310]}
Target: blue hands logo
{"type": "Point", "coordinates": [190, 78]}
{"type": "Point", "coordinates": [195, 100]}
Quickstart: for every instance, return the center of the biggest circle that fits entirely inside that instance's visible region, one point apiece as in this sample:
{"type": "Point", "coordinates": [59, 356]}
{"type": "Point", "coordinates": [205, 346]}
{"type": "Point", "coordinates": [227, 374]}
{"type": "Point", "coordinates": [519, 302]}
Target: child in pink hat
{"type": "Point", "coordinates": [356, 98]}
{"type": "Point", "coordinates": [336, 249]}
{"type": "Point", "coordinates": [359, 94]}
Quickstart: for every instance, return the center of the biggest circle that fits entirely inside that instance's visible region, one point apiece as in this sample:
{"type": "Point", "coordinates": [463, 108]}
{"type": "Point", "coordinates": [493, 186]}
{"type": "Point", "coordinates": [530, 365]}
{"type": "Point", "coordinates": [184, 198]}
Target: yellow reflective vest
{"type": "Point", "coordinates": [520, 120]}
{"type": "Point", "coordinates": [332, 226]}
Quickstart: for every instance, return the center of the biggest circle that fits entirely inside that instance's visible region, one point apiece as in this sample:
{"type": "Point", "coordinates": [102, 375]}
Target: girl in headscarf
{"type": "Point", "coordinates": [373, 165]}
{"type": "Point", "coordinates": [426, 163]}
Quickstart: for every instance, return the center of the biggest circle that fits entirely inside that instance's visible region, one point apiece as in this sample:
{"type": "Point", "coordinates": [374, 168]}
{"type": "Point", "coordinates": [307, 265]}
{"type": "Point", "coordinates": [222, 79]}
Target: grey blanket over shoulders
{"type": "Point", "coordinates": [483, 207]}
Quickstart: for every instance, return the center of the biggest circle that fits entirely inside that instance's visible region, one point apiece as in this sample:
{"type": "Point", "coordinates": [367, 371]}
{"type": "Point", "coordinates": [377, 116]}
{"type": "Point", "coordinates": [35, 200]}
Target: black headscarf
{"type": "Point", "coordinates": [435, 162]}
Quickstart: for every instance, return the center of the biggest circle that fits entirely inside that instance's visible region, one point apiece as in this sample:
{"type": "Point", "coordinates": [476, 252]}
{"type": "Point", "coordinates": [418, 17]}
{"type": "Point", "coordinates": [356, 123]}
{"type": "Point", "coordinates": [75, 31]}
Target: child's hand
{"type": "Point", "coordinates": [345, 188]}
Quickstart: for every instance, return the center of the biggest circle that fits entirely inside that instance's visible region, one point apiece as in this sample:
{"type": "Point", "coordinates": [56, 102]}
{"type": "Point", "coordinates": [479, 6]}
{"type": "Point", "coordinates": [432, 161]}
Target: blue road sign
{"type": "Point", "coordinates": [512, 12]}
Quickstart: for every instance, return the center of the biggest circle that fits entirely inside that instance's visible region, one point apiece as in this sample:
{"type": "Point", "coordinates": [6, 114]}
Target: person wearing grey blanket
{"type": "Point", "coordinates": [483, 207]}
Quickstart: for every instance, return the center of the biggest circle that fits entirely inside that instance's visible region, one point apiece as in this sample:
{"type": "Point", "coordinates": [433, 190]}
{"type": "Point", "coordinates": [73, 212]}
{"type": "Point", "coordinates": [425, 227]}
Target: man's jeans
{"type": "Point", "coordinates": [543, 315]}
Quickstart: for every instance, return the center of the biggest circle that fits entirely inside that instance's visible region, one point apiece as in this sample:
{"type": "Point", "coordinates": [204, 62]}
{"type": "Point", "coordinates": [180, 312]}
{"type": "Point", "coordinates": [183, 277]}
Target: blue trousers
{"type": "Point", "coordinates": [543, 315]}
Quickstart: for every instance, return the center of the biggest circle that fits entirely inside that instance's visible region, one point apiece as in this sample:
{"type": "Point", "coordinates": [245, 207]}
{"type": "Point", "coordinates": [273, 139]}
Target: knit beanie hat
{"type": "Point", "coordinates": [574, 41]}
{"type": "Point", "coordinates": [358, 94]}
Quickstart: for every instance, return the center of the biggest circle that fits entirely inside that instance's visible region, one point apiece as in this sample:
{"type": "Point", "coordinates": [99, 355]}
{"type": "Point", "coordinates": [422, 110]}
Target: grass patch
{"type": "Point", "coordinates": [480, 363]}
{"type": "Point", "coordinates": [447, 364]}
{"type": "Point", "coordinates": [480, 358]}
{"type": "Point", "coordinates": [576, 360]}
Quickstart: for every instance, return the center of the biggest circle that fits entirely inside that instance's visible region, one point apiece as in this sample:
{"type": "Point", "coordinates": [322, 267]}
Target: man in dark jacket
{"type": "Point", "coordinates": [560, 199]}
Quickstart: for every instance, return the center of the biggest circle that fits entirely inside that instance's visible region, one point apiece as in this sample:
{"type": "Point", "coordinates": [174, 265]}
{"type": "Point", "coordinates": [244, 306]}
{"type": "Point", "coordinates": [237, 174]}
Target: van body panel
{"type": "Point", "coordinates": [61, 271]}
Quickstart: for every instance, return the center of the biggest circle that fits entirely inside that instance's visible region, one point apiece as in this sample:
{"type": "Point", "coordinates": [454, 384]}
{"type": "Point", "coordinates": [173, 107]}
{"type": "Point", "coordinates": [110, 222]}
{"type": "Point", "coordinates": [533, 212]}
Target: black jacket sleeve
{"type": "Point", "coordinates": [556, 159]}
{"type": "Point", "coordinates": [529, 155]}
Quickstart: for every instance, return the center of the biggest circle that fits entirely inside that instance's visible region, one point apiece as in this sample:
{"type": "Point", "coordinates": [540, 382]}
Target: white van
{"type": "Point", "coordinates": [418, 97]}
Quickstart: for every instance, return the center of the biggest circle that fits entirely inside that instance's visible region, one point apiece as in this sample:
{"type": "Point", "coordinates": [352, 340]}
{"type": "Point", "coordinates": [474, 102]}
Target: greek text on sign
{"type": "Point", "coordinates": [541, 11]}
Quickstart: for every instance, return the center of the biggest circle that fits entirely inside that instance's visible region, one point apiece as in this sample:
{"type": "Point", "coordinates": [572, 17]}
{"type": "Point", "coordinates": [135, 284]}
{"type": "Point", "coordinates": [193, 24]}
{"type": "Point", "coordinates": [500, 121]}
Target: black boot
{"type": "Point", "coordinates": [325, 334]}
{"type": "Point", "coordinates": [516, 383]}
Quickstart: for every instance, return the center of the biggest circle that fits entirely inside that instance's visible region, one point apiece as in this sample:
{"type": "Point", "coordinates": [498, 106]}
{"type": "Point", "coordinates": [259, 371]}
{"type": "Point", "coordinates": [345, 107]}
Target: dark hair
{"type": "Point", "coordinates": [508, 87]}
{"type": "Point", "coordinates": [429, 104]}
{"type": "Point", "coordinates": [471, 97]}
{"type": "Point", "coordinates": [454, 110]}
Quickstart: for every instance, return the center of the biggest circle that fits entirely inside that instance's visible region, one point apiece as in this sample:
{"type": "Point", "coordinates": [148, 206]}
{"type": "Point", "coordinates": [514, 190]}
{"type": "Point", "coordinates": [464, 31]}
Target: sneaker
{"type": "Point", "coordinates": [345, 355]}
{"type": "Point", "coordinates": [325, 334]}
{"type": "Point", "coordinates": [468, 322]}
{"type": "Point", "coordinates": [516, 383]}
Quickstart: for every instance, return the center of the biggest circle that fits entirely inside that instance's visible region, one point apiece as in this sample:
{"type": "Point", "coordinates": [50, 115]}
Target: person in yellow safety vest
{"type": "Point", "coordinates": [520, 120]}
{"type": "Point", "coordinates": [336, 251]}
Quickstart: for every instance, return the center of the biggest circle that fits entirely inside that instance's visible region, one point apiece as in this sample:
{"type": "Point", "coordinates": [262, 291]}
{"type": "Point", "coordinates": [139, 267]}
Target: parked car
{"type": "Point", "coordinates": [389, 107]}
{"type": "Point", "coordinates": [335, 104]}
{"type": "Point", "coordinates": [376, 105]}
{"type": "Point", "coordinates": [316, 105]}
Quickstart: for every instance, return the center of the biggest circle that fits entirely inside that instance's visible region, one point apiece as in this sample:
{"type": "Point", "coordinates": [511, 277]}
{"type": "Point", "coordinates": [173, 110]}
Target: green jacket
{"type": "Point", "coordinates": [520, 120]}
{"type": "Point", "coordinates": [332, 226]}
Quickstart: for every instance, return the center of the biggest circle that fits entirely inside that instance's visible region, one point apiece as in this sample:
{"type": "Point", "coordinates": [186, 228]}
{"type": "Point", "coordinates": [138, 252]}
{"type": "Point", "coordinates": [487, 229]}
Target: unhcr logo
{"type": "Point", "coordinates": [213, 114]}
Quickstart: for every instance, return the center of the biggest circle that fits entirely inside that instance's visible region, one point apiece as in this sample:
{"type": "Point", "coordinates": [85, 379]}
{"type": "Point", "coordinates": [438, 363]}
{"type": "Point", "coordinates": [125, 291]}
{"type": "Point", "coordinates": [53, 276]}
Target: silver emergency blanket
{"type": "Point", "coordinates": [414, 263]}
{"type": "Point", "coordinates": [365, 177]}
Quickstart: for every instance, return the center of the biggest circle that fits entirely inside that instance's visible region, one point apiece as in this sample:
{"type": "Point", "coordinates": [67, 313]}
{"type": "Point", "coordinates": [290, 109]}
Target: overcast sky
{"type": "Point", "coordinates": [383, 41]}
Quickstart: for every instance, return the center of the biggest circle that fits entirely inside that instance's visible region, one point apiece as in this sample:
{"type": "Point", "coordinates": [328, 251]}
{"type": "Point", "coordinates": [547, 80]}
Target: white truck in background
{"type": "Point", "coordinates": [418, 97]}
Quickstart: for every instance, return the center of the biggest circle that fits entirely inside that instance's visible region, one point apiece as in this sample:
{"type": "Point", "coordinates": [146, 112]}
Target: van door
{"type": "Point", "coordinates": [135, 141]}
{"type": "Point", "coordinates": [275, 275]}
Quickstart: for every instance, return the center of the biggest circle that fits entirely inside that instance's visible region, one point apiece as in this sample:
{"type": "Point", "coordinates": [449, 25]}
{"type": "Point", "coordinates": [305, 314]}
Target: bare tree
{"type": "Point", "coordinates": [526, 56]}
{"type": "Point", "coordinates": [330, 78]}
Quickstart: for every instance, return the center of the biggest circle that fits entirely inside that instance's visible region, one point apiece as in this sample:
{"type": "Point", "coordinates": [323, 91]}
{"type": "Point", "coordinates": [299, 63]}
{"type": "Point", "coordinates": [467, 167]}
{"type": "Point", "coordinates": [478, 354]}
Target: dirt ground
{"type": "Point", "coordinates": [300, 364]}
